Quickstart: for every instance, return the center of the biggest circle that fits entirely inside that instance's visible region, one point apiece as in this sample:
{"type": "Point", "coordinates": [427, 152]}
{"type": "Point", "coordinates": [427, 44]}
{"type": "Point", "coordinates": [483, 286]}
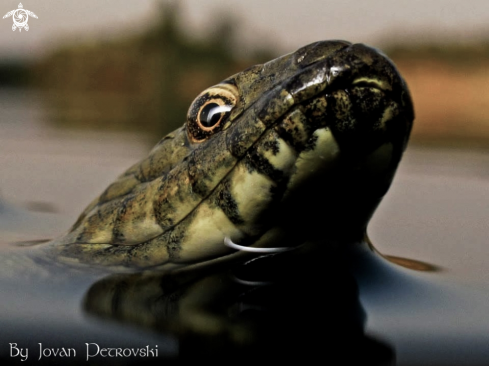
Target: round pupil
{"type": "Point", "coordinates": [210, 114]}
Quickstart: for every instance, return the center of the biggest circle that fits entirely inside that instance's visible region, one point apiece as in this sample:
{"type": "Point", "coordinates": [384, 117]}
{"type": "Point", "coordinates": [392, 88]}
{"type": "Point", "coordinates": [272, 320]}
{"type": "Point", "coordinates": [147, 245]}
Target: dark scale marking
{"type": "Point", "coordinates": [272, 107]}
{"type": "Point", "coordinates": [162, 216]}
{"type": "Point", "coordinates": [242, 135]}
{"type": "Point", "coordinates": [173, 237]}
{"type": "Point", "coordinates": [271, 145]}
{"type": "Point", "coordinates": [117, 231]}
{"type": "Point", "coordinates": [130, 254]}
{"type": "Point", "coordinates": [292, 130]}
{"type": "Point", "coordinates": [197, 182]}
{"type": "Point", "coordinates": [256, 162]}
{"type": "Point", "coordinates": [129, 213]}
{"type": "Point", "coordinates": [368, 104]}
{"type": "Point", "coordinates": [211, 158]}
{"type": "Point", "coordinates": [316, 113]}
{"type": "Point", "coordinates": [341, 107]}
{"type": "Point", "coordinates": [136, 252]}
{"type": "Point", "coordinates": [173, 248]}
{"type": "Point", "coordinates": [141, 174]}
{"type": "Point", "coordinates": [311, 143]}
{"type": "Point", "coordinates": [224, 199]}
{"type": "Point", "coordinates": [315, 108]}
{"type": "Point", "coordinates": [118, 250]}
{"type": "Point", "coordinates": [298, 134]}
{"type": "Point", "coordinates": [143, 253]}
{"type": "Point", "coordinates": [358, 113]}
{"type": "Point", "coordinates": [104, 216]}
{"type": "Point", "coordinates": [277, 191]}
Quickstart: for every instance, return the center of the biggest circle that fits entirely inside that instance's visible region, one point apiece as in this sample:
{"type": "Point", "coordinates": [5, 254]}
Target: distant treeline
{"type": "Point", "coordinates": [14, 74]}
{"type": "Point", "coordinates": [453, 53]}
{"type": "Point", "coordinates": [145, 82]}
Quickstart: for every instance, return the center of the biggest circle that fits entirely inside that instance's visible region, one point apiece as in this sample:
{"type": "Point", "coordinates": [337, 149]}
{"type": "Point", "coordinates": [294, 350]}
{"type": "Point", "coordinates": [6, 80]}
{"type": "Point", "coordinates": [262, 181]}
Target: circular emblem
{"type": "Point", "coordinates": [20, 18]}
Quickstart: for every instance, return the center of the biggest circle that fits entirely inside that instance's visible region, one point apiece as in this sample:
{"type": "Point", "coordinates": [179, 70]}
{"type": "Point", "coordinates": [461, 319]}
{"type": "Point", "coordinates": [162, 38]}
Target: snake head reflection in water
{"type": "Point", "coordinates": [300, 148]}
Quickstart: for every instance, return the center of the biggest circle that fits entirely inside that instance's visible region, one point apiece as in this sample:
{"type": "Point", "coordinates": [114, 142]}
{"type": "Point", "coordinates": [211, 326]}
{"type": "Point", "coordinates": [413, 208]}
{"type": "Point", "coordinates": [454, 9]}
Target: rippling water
{"type": "Point", "coordinates": [435, 212]}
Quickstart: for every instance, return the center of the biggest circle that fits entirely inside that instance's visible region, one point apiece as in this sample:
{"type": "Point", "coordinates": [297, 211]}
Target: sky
{"type": "Point", "coordinates": [284, 25]}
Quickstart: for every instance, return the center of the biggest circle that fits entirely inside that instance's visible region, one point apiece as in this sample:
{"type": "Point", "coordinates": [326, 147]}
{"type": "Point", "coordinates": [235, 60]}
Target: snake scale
{"type": "Point", "coordinates": [300, 148]}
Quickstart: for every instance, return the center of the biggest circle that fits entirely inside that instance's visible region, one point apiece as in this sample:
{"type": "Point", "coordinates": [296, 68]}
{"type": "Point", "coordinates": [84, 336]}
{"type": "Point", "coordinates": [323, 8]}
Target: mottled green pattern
{"type": "Point", "coordinates": [322, 127]}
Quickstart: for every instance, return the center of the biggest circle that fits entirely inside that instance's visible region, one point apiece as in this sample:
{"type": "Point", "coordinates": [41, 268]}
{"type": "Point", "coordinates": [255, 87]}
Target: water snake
{"type": "Point", "coordinates": [300, 148]}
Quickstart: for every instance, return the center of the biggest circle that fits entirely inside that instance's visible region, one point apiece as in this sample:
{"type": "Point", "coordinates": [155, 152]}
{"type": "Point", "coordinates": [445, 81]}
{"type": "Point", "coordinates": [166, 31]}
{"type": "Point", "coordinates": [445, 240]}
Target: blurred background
{"type": "Point", "coordinates": [92, 85]}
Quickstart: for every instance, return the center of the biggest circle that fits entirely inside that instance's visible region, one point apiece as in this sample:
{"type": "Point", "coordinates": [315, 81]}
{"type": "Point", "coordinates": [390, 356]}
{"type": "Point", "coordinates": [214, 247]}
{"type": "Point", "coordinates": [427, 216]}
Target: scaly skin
{"type": "Point", "coordinates": [305, 150]}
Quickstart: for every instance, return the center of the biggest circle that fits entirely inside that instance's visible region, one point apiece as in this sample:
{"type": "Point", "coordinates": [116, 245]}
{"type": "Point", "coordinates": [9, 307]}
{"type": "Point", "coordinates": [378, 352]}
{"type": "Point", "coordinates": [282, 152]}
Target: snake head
{"type": "Point", "coordinates": [302, 147]}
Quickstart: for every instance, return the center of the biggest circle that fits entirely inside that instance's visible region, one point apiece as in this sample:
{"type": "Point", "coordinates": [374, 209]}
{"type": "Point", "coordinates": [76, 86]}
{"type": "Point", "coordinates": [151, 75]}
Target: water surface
{"type": "Point", "coordinates": [435, 212]}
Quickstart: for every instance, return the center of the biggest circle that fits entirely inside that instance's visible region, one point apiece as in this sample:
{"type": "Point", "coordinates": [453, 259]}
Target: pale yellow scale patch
{"type": "Point", "coordinates": [389, 113]}
{"type": "Point", "coordinates": [205, 236]}
{"type": "Point", "coordinates": [381, 84]}
{"type": "Point", "coordinates": [102, 236]}
{"type": "Point", "coordinates": [251, 191]}
{"type": "Point", "coordinates": [102, 233]}
{"type": "Point", "coordinates": [323, 156]}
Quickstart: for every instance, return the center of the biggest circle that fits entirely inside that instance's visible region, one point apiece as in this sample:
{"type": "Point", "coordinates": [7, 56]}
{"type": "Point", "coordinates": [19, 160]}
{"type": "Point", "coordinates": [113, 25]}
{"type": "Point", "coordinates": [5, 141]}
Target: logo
{"type": "Point", "coordinates": [20, 16]}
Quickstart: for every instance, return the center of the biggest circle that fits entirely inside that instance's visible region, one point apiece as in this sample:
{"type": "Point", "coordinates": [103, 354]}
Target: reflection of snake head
{"type": "Point", "coordinates": [249, 312]}
{"type": "Point", "coordinates": [302, 147]}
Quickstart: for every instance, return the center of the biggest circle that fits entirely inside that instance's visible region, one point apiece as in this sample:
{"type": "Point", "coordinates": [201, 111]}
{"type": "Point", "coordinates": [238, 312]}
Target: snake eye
{"type": "Point", "coordinates": [212, 113]}
{"type": "Point", "coordinates": [210, 110]}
